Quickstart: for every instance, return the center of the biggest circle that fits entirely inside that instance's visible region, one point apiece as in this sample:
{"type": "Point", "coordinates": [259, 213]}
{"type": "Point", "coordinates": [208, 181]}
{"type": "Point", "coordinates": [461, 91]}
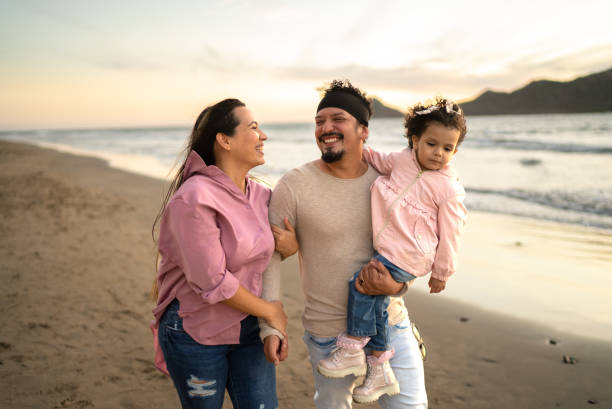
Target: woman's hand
{"type": "Point", "coordinates": [276, 317]}
{"type": "Point", "coordinates": [275, 349]}
{"type": "Point", "coordinates": [284, 240]}
{"type": "Point", "coordinates": [375, 279]}
{"type": "Point", "coordinates": [435, 285]}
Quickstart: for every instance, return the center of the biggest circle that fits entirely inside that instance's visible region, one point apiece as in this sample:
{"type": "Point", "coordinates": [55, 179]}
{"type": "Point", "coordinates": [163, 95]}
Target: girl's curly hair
{"type": "Point", "coordinates": [444, 111]}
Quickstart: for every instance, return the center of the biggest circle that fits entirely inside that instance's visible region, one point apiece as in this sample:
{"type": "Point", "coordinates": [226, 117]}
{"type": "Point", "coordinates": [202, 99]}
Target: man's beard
{"type": "Point", "coordinates": [331, 157]}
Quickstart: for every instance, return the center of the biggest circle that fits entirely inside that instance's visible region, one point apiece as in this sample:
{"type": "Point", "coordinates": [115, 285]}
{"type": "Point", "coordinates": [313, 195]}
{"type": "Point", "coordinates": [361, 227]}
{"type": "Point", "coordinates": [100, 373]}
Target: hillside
{"type": "Point", "coordinates": [591, 93]}
{"type": "Point", "coordinates": [383, 111]}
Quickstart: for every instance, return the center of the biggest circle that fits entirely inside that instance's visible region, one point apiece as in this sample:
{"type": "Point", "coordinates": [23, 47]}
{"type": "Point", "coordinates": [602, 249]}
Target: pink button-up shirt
{"type": "Point", "coordinates": [417, 216]}
{"type": "Point", "coordinates": [212, 238]}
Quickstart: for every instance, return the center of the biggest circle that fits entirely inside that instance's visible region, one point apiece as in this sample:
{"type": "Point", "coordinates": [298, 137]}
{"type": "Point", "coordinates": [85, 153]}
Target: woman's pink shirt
{"type": "Point", "coordinates": [212, 239]}
{"type": "Point", "coordinates": [417, 216]}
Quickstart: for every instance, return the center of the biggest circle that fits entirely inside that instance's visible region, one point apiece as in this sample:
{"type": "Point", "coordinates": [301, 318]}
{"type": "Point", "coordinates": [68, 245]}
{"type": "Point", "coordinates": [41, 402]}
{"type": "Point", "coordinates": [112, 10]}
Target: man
{"type": "Point", "coordinates": [328, 203]}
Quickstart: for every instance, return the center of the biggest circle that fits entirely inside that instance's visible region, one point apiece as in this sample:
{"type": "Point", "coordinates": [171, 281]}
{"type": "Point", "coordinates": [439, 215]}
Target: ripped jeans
{"type": "Point", "coordinates": [201, 373]}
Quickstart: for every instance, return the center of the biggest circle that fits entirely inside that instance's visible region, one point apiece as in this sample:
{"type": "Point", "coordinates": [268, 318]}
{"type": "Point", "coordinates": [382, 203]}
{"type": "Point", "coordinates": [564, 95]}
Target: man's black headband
{"type": "Point", "coordinates": [349, 102]}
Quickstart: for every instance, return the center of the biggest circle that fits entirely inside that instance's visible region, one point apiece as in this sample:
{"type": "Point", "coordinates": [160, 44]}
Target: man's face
{"type": "Point", "coordinates": [338, 133]}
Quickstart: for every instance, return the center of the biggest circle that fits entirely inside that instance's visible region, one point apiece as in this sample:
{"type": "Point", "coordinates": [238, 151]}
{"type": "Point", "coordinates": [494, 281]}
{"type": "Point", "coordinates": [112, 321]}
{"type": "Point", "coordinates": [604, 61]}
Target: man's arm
{"type": "Point", "coordinates": [282, 204]}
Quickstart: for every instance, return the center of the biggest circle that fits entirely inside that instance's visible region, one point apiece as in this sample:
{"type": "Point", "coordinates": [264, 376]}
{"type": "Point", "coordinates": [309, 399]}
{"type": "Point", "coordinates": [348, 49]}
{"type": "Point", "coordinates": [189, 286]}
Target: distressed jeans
{"type": "Point", "coordinates": [201, 373]}
{"type": "Point", "coordinates": [407, 364]}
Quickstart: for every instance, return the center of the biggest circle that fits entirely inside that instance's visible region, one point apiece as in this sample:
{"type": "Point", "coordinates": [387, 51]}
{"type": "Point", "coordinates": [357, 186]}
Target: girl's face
{"type": "Point", "coordinates": [436, 146]}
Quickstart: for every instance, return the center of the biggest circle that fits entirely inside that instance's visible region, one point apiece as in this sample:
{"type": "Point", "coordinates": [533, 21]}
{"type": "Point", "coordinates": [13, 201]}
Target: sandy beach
{"type": "Point", "coordinates": [77, 263]}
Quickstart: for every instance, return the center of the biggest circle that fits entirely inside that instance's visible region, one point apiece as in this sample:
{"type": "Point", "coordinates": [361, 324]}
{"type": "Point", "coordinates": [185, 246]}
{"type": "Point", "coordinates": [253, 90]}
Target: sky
{"type": "Point", "coordinates": [75, 64]}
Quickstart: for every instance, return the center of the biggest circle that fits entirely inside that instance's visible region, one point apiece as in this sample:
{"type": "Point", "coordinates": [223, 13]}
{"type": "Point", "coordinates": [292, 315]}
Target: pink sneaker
{"type": "Point", "coordinates": [379, 380]}
{"type": "Point", "coordinates": [347, 358]}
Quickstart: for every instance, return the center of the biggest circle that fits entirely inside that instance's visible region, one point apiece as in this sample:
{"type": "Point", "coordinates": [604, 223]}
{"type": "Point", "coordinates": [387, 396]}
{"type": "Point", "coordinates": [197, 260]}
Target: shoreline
{"type": "Point", "coordinates": [78, 262]}
{"type": "Point", "coordinates": [156, 169]}
{"type": "Point", "coordinates": [535, 311]}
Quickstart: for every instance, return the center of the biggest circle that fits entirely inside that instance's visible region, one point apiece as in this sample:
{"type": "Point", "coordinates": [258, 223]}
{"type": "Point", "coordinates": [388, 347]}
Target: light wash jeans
{"type": "Point", "coordinates": [407, 364]}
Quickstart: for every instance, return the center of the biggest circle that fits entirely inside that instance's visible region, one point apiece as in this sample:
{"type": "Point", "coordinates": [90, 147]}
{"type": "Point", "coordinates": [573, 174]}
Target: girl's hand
{"type": "Point", "coordinates": [284, 240]}
{"type": "Point", "coordinates": [435, 285]}
{"type": "Point", "coordinates": [276, 317]}
{"type": "Point", "coordinates": [275, 349]}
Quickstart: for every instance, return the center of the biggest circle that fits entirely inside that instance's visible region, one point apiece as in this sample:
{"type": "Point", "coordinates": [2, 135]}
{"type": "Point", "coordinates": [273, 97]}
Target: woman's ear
{"type": "Point", "coordinates": [223, 141]}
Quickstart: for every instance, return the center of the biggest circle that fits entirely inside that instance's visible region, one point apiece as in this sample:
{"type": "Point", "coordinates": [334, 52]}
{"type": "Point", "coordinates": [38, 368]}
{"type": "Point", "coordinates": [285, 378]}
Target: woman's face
{"type": "Point", "coordinates": [247, 143]}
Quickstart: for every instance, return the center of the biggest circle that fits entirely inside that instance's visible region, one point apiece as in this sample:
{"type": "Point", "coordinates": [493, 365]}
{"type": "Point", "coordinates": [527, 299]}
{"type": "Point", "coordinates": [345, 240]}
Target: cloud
{"type": "Point", "coordinates": [439, 74]}
{"type": "Point", "coordinates": [58, 15]}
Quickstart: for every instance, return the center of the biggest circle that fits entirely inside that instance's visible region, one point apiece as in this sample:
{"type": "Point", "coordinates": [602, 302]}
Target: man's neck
{"type": "Point", "coordinates": [343, 169]}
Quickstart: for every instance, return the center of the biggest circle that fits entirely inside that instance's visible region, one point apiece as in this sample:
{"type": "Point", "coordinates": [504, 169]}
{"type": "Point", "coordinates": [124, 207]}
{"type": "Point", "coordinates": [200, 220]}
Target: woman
{"type": "Point", "coordinates": [215, 242]}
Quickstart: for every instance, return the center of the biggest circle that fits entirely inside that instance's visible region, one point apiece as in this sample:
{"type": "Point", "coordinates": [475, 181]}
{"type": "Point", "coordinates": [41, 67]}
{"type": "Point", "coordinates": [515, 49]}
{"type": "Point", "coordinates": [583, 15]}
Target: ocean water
{"type": "Point", "coordinates": [552, 167]}
{"type": "Point", "coordinates": [548, 167]}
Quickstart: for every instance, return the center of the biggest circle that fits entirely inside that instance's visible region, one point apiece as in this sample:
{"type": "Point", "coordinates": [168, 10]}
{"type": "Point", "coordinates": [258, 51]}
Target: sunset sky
{"type": "Point", "coordinates": [69, 64]}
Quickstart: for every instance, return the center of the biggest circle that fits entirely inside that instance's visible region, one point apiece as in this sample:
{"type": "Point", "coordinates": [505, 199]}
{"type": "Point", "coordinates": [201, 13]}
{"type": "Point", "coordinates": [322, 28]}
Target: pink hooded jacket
{"type": "Point", "coordinates": [417, 216]}
{"type": "Point", "coordinates": [212, 238]}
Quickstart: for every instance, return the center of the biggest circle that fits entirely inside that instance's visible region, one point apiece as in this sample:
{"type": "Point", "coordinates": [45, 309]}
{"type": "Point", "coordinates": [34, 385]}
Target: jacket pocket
{"type": "Point", "coordinates": [424, 236]}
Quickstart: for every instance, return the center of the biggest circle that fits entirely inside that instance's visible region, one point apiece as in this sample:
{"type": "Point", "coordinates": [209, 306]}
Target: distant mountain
{"type": "Point", "coordinates": [383, 111]}
{"type": "Point", "coordinates": [592, 93]}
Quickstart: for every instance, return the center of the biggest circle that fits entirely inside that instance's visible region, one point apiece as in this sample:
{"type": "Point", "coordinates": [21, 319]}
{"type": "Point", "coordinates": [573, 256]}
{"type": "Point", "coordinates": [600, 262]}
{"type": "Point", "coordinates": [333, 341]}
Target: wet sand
{"type": "Point", "coordinates": [77, 262]}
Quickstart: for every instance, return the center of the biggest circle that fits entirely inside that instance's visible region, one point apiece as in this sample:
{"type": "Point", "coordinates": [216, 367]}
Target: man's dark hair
{"type": "Point", "coordinates": [346, 86]}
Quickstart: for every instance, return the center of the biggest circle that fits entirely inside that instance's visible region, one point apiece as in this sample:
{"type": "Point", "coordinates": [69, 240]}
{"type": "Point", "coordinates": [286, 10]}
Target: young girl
{"type": "Point", "coordinates": [417, 219]}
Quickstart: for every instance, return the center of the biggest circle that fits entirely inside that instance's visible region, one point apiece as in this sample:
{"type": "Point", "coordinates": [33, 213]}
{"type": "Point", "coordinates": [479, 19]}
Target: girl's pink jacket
{"type": "Point", "coordinates": [417, 216]}
{"type": "Point", "coordinates": [212, 238]}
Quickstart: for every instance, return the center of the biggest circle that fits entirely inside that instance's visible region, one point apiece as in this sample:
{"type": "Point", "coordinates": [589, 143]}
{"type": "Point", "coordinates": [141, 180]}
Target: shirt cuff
{"type": "Point", "coordinates": [265, 330]}
{"type": "Point", "coordinates": [226, 289]}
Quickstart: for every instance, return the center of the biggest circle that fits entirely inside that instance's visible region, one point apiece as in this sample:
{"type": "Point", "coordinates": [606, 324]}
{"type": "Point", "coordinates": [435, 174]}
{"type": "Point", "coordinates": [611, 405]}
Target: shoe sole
{"type": "Point", "coordinates": [373, 397]}
{"type": "Point", "coordinates": [335, 373]}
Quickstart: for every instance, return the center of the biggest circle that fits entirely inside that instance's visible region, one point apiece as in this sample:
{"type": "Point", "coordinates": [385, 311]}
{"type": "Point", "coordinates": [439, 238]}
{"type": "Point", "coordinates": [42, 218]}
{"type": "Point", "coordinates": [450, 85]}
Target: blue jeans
{"type": "Point", "coordinates": [407, 365]}
{"type": "Point", "coordinates": [367, 314]}
{"type": "Point", "coordinates": [201, 373]}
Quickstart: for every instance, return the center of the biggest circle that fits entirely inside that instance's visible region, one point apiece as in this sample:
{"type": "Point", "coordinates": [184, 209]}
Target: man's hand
{"type": "Point", "coordinates": [435, 285]}
{"type": "Point", "coordinates": [285, 241]}
{"type": "Point", "coordinates": [375, 279]}
{"type": "Point", "coordinates": [275, 349]}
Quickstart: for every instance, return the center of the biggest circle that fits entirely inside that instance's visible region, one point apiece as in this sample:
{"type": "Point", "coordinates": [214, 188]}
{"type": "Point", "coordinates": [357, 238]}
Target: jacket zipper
{"type": "Point", "coordinates": [392, 205]}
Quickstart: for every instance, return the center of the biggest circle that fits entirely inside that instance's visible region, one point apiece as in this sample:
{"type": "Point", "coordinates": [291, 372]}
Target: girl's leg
{"type": "Point", "coordinates": [379, 342]}
{"type": "Point", "coordinates": [199, 372]}
{"type": "Point", "coordinates": [361, 312]}
{"type": "Point", "coordinates": [380, 379]}
{"type": "Point", "coordinates": [252, 379]}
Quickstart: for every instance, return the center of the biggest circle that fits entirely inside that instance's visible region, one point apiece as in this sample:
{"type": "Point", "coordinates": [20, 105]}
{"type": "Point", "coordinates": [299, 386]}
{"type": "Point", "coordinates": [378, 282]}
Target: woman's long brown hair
{"type": "Point", "coordinates": [212, 120]}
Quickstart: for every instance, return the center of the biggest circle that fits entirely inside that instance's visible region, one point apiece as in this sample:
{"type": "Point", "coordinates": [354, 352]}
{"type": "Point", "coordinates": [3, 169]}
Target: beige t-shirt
{"type": "Point", "coordinates": [334, 230]}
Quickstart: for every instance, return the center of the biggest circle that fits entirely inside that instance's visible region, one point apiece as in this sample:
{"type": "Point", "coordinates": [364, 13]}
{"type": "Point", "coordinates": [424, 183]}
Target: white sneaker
{"type": "Point", "coordinates": [379, 380]}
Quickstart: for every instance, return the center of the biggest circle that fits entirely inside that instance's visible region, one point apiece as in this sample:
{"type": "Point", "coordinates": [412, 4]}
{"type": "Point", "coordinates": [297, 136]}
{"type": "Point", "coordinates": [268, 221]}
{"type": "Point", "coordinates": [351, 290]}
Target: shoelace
{"type": "Point", "coordinates": [369, 378]}
{"type": "Point", "coordinates": [336, 354]}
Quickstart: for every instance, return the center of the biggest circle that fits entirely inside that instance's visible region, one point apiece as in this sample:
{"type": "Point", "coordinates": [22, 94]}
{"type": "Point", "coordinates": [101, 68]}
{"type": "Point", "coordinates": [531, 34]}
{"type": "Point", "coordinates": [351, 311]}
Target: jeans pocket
{"type": "Point", "coordinates": [174, 327]}
{"type": "Point", "coordinates": [171, 320]}
{"type": "Point", "coordinates": [320, 341]}
{"type": "Point", "coordinates": [402, 326]}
